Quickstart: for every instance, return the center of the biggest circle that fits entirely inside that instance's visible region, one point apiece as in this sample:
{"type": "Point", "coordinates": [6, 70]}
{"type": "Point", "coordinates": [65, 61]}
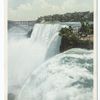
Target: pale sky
{"type": "Point", "coordinates": [32, 9]}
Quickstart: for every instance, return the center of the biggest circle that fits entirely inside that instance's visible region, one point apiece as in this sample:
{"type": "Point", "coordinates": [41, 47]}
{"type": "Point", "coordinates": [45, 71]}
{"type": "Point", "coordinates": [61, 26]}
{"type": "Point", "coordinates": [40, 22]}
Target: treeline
{"type": "Point", "coordinates": [67, 17]}
{"type": "Point", "coordinates": [82, 39]}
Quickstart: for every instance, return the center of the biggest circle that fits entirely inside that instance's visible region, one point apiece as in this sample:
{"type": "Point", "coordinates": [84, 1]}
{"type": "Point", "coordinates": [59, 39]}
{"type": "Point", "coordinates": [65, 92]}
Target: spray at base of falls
{"type": "Point", "coordinates": [26, 54]}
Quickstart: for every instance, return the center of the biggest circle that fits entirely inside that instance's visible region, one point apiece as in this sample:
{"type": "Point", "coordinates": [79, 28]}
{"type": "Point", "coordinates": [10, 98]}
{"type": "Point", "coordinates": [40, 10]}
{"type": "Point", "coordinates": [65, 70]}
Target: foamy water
{"type": "Point", "coordinates": [67, 76]}
{"type": "Point", "coordinates": [34, 75]}
{"type": "Point", "coordinates": [26, 54]}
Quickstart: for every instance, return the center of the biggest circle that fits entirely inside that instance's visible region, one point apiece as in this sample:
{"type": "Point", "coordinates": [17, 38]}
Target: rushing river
{"type": "Point", "coordinates": [36, 70]}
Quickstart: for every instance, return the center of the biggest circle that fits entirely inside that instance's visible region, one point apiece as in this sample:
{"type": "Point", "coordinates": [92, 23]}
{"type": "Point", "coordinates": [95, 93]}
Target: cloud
{"type": "Point", "coordinates": [31, 9]}
{"type": "Point", "coordinates": [15, 3]}
{"type": "Point", "coordinates": [56, 2]}
{"type": "Point", "coordinates": [78, 5]}
{"type": "Point", "coordinates": [21, 12]}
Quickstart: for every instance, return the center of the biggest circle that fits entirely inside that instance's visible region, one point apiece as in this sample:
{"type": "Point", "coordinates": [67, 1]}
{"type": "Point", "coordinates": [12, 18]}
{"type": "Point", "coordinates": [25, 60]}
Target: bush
{"type": "Point", "coordinates": [85, 44]}
{"type": "Point", "coordinates": [71, 38]}
{"type": "Point", "coordinates": [86, 29]}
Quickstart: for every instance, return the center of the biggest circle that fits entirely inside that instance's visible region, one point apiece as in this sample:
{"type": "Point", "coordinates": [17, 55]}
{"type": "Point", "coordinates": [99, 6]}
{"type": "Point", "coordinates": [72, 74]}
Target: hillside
{"type": "Point", "coordinates": [67, 17]}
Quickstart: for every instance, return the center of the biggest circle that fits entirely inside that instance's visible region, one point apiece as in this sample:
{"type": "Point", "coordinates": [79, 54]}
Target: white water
{"type": "Point", "coordinates": [48, 37]}
{"type": "Point", "coordinates": [67, 76]}
{"type": "Point", "coordinates": [16, 32]}
{"type": "Point", "coordinates": [26, 54]}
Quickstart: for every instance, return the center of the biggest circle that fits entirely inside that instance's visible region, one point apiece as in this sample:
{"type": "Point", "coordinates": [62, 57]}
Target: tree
{"type": "Point", "coordinates": [69, 39]}
{"type": "Point", "coordinates": [86, 29]}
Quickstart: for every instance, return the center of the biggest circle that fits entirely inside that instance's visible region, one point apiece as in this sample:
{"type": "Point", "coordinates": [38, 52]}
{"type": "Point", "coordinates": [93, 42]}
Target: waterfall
{"type": "Point", "coordinates": [27, 54]}
{"type": "Point", "coordinates": [35, 72]}
{"type": "Point", "coordinates": [43, 33]}
{"type": "Point", "coordinates": [47, 36]}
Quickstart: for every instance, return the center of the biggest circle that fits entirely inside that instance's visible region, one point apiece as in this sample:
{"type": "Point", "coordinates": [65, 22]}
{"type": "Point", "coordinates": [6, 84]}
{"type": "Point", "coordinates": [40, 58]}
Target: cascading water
{"type": "Point", "coordinates": [26, 54]}
{"type": "Point", "coordinates": [67, 76]}
{"type": "Point", "coordinates": [48, 37]}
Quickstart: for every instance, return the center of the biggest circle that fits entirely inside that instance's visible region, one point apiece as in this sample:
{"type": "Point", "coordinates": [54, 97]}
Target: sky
{"type": "Point", "coordinates": [32, 9]}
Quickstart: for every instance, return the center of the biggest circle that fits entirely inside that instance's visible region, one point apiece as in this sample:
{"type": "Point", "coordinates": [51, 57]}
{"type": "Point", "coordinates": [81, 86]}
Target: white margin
{"type": "Point", "coordinates": [1, 49]}
{"type": "Point", "coordinates": [98, 49]}
{"type": "Point", "coordinates": [2, 32]}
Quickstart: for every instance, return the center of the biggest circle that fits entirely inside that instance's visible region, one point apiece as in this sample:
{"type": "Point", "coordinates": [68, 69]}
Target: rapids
{"type": "Point", "coordinates": [67, 76]}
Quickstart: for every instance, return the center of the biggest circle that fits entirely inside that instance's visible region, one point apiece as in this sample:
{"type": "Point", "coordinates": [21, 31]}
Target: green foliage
{"type": "Point", "coordinates": [68, 17]}
{"type": "Point", "coordinates": [90, 30]}
{"type": "Point", "coordinates": [68, 33]}
{"type": "Point", "coordinates": [86, 29]}
{"type": "Point", "coordinates": [71, 40]}
{"type": "Point", "coordinates": [70, 37]}
{"type": "Point", "coordinates": [85, 43]}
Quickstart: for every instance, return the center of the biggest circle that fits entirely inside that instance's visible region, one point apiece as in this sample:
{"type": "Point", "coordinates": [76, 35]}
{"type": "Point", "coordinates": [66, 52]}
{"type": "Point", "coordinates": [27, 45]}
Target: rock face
{"type": "Point", "coordinates": [86, 44]}
{"type": "Point", "coordinates": [66, 44]}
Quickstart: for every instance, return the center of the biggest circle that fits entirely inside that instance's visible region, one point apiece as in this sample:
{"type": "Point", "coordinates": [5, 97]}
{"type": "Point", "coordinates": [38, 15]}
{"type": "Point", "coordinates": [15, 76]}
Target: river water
{"type": "Point", "coordinates": [36, 70]}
